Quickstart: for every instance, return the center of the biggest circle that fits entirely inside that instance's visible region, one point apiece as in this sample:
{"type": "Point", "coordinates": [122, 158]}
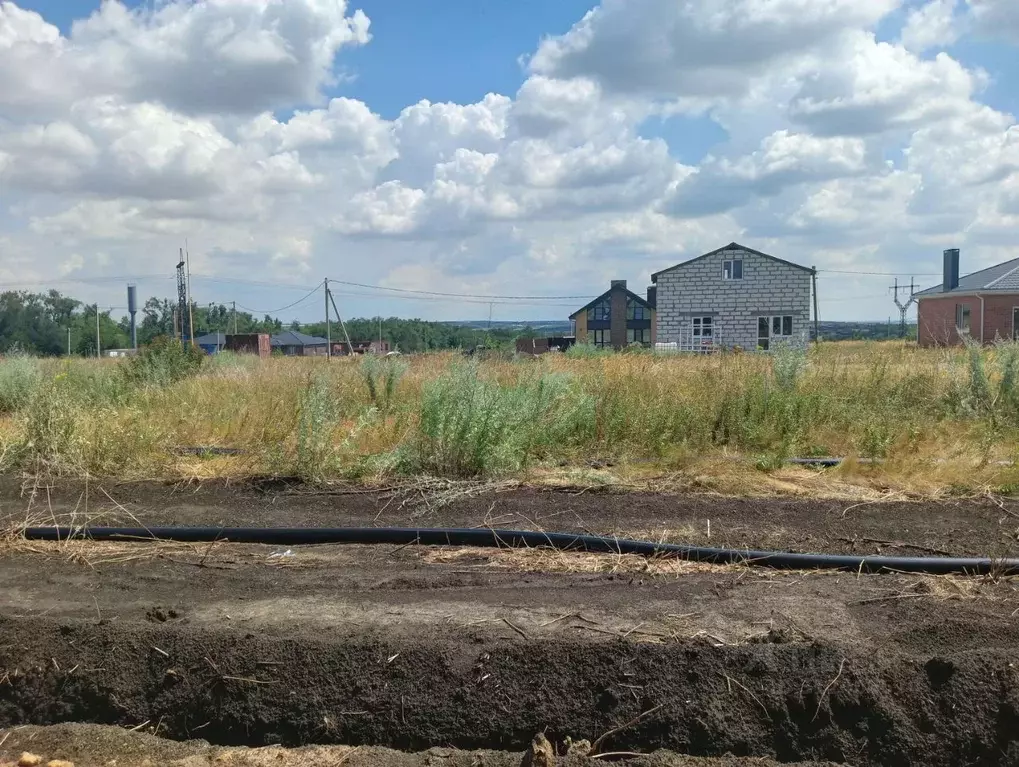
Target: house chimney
{"type": "Point", "coordinates": [652, 296]}
{"type": "Point", "coordinates": [618, 283]}
{"type": "Point", "coordinates": [950, 279]}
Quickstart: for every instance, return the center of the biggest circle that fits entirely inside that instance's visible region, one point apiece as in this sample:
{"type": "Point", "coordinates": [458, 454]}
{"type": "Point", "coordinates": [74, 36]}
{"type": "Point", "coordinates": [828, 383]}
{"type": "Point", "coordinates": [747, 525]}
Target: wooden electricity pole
{"type": "Point", "coordinates": [817, 326]}
{"type": "Point", "coordinates": [329, 338]}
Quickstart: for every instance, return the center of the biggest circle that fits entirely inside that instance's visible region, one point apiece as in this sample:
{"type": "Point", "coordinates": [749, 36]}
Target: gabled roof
{"type": "Point", "coordinates": [1003, 278]}
{"type": "Point", "coordinates": [212, 339]}
{"type": "Point", "coordinates": [629, 294]}
{"type": "Point", "coordinates": [732, 246]}
{"type": "Point", "coordinates": [295, 338]}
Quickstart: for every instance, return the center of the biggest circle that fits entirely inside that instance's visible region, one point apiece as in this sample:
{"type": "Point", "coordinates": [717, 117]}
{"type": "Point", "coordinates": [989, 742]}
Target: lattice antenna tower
{"type": "Point", "coordinates": [182, 298]}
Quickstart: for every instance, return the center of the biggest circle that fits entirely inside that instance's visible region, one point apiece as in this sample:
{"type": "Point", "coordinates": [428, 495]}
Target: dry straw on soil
{"type": "Point", "coordinates": [941, 421]}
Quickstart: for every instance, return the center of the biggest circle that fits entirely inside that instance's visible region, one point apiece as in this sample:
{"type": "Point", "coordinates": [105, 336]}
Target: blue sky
{"type": "Point", "coordinates": [847, 144]}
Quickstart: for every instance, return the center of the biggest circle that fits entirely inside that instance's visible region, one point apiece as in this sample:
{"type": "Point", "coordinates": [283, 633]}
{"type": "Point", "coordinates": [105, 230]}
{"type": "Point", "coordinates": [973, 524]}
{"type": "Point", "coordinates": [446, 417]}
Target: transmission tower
{"type": "Point", "coordinates": [182, 298]}
{"type": "Point", "coordinates": [903, 307]}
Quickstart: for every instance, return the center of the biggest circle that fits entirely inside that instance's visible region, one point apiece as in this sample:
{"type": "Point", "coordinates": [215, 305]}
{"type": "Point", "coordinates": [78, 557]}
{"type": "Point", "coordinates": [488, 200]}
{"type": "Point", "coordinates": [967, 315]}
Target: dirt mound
{"type": "Point", "coordinates": [98, 745]}
{"type": "Point", "coordinates": [788, 701]}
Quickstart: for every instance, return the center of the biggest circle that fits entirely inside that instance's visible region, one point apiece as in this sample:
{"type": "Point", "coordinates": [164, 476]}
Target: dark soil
{"type": "Point", "coordinates": [391, 647]}
{"type": "Point", "coordinates": [792, 701]}
{"type": "Point", "coordinates": [981, 527]}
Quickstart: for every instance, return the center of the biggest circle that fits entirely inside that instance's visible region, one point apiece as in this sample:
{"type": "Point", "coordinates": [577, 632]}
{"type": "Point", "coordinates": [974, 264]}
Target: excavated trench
{"type": "Point", "coordinates": [790, 700]}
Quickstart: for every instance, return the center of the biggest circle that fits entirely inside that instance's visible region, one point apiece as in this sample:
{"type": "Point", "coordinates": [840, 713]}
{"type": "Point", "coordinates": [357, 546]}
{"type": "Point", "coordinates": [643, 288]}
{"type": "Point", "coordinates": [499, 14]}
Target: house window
{"type": "Point", "coordinates": [962, 318]}
{"type": "Point", "coordinates": [635, 311]}
{"type": "Point", "coordinates": [600, 312]}
{"type": "Point", "coordinates": [600, 337]}
{"type": "Point", "coordinates": [777, 328]}
{"type": "Point", "coordinates": [638, 335]}
{"type": "Point", "coordinates": [732, 269]}
{"type": "Point", "coordinates": [703, 327]}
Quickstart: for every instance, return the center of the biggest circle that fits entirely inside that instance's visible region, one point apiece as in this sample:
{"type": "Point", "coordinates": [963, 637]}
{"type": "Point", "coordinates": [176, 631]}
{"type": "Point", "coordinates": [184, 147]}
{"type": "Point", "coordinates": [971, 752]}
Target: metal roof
{"type": "Point", "coordinates": [212, 339]}
{"type": "Point", "coordinates": [1003, 278]}
{"type": "Point", "coordinates": [295, 338]}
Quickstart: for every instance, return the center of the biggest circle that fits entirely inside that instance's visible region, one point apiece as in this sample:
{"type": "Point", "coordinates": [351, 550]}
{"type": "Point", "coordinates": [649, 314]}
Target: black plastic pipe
{"type": "Point", "coordinates": [297, 536]}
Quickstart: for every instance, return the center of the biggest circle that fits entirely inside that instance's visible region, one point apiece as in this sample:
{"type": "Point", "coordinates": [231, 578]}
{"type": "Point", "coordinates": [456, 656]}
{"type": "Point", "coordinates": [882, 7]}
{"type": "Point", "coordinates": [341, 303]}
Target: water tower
{"type": "Point", "coordinates": [132, 309]}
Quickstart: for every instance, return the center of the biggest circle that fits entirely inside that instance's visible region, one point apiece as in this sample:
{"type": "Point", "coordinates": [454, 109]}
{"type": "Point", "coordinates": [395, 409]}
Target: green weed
{"type": "Point", "coordinates": [20, 378]}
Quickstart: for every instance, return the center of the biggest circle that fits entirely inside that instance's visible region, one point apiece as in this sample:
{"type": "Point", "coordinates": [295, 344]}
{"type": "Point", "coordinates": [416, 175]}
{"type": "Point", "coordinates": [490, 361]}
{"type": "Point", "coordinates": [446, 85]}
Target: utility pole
{"type": "Point", "coordinates": [329, 338]}
{"type": "Point", "coordinates": [68, 342]}
{"type": "Point", "coordinates": [903, 306]}
{"type": "Point", "coordinates": [380, 334]}
{"type": "Point", "coordinates": [817, 327]}
{"type": "Point", "coordinates": [233, 309]}
{"type": "Point", "coordinates": [98, 342]}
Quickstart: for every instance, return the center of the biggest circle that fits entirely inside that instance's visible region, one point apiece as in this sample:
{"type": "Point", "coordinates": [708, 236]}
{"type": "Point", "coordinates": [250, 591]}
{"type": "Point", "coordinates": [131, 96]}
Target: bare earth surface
{"type": "Point", "coordinates": [416, 648]}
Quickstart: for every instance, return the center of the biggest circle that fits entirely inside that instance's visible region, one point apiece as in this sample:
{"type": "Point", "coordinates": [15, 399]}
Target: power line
{"type": "Point", "coordinates": [313, 291]}
{"type": "Point", "coordinates": [256, 283]}
{"type": "Point", "coordinates": [852, 298]}
{"type": "Point", "coordinates": [440, 299]}
{"type": "Point", "coordinates": [462, 295]}
{"type": "Point", "coordinates": [877, 274]}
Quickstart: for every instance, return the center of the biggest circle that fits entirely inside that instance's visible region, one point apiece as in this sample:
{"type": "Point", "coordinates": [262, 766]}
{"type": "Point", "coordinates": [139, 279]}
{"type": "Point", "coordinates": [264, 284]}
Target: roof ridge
{"type": "Point", "coordinates": [999, 278]}
{"type": "Point", "coordinates": [992, 266]}
{"type": "Point", "coordinates": [730, 246]}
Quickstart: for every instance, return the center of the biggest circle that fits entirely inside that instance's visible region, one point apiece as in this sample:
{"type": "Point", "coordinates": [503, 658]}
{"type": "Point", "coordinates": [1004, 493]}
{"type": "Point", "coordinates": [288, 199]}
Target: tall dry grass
{"type": "Point", "coordinates": [918, 410]}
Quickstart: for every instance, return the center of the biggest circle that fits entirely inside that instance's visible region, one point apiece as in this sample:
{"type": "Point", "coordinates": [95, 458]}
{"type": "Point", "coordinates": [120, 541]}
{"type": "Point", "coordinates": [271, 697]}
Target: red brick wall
{"type": "Point", "coordinates": [998, 317]}
{"type": "Point", "coordinates": [936, 318]}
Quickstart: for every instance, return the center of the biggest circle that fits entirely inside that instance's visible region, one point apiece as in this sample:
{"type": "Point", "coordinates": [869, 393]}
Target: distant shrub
{"type": "Point", "coordinates": [164, 361]}
{"type": "Point", "coordinates": [588, 351]}
{"type": "Point", "coordinates": [90, 384]}
{"type": "Point", "coordinates": [229, 363]}
{"type": "Point", "coordinates": [788, 365]}
{"type": "Point", "coordinates": [20, 378]}
{"type": "Point", "coordinates": [381, 375]}
{"type": "Point", "coordinates": [470, 426]}
{"type": "Point", "coordinates": [316, 420]}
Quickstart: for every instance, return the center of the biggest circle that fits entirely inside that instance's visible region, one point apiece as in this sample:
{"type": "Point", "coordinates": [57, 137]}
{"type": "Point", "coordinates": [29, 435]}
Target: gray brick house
{"type": "Point", "coordinates": [733, 296]}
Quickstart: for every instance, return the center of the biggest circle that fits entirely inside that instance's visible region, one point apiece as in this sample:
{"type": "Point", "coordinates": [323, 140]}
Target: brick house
{"type": "Point", "coordinates": [616, 318]}
{"type": "Point", "coordinates": [733, 296]}
{"type": "Point", "coordinates": [982, 306]}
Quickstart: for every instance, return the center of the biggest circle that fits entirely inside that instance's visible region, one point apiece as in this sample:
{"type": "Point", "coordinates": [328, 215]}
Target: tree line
{"type": "Point", "coordinates": [52, 324]}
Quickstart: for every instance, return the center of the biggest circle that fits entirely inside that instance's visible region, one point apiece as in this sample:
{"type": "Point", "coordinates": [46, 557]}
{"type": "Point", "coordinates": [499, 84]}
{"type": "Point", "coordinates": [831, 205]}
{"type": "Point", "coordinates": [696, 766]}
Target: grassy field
{"type": "Point", "coordinates": [943, 421]}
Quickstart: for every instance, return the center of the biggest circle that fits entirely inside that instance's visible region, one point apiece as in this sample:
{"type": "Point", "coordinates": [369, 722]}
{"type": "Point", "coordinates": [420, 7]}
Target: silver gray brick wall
{"type": "Point", "coordinates": [767, 288]}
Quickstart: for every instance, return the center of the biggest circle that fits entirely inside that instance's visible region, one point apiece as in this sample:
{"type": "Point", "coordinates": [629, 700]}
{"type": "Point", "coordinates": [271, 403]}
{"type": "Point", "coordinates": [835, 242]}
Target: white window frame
{"type": "Point", "coordinates": [963, 313]}
{"type": "Point", "coordinates": [774, 320]}
{"type": "Point", "coordinates": [729, 269]}
{"type": "Point", "coordinates": [700, 324]}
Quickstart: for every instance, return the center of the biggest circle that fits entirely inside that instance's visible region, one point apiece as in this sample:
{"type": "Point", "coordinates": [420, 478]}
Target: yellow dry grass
{"type": "Point", "coordinates": [702, 423]}
{"type": "Point", "coordinates": [552, 561]}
